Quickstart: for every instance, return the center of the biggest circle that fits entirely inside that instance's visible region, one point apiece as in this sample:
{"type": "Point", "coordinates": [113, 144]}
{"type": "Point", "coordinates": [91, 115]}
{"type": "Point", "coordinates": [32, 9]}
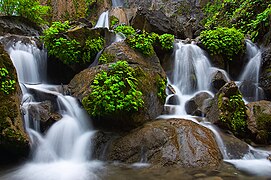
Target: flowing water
{"type": "Point", "coordinates": [117, 3]}
{"type": "Point", "coordinates": [192, 74]}
{"type": "Point", "coordinates": [103, 21]}
{"type": "Point", "coordinates": [249, 79]}
{"type": "Point", "coordinates": [64, 152]}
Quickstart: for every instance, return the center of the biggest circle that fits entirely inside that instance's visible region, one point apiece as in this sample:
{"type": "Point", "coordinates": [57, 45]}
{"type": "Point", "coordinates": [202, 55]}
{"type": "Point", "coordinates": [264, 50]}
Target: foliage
{"type": "Point", "coordinates": [166, 41]}
{"type": "Point", "coordinates": [142, 42]}
{"type": "Point", "coordinates": [126, 30]}
{"type": "Point", "coordinates": [106, 58]}
{"type": "Point", "coordinates": [69, 51]}
{"type": "Point", "coordinates": [91, 48]}
{"type": "Point", "coordinates": [161, 84]}
{"type": "Point", "coordinates": [113, 91]}
{"type": "Point", "coordinates": [113, 21]}
{"type": "Point", "coordinates": [224, 41]}
{"type": "Point", "coordinates": [234, 113]}
{"type": "Point", "coordinates": [7, 83]}
{"type": "Point", "coordinates": [246, 15]}
{"type": "Point", "coordinates": [30, 9]}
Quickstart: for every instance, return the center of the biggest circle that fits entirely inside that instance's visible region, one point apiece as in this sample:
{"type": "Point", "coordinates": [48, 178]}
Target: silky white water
{"type": "Point", "coordinates": [192, 73]}
{"type": "Point", "coordinates": [103, 21]}
{"type": "Point", "coordinates": [249, 78]}
{"type": "Point", "coordinates": [64, 151]}
{"type": "Point", "coordinates": [117, 3]}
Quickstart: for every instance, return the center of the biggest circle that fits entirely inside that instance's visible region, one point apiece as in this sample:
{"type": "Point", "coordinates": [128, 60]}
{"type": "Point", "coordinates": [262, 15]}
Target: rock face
{"type": "Point", "coordinates": [14, 142]}
{"type": "Point", "coordinates": [149, 71]}
{"type": "Point", "coordinates": [18, 25]}
{"type": "Point", "coordinates": [259, 121]}
{"type": "Point", "coordinates": [218, 81]}
{"type": "Point", "coordinates": [265, 80]}
{"type": "Point", "coordinates": [166, 143]}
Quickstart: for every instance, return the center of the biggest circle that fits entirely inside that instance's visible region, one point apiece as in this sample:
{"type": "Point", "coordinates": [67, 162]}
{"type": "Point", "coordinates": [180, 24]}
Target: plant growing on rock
{"type": "Point", "coordinates": [166, 41]}
{"type": "Point", "coordinates": [91, 48]}
{"type": "Point", "coordinates": [234, 113]}
{"type": "Point", "coordinates": [113, 91]}
{"type": "Point", "coordinates": [30, 9]}
{"type": "Point", "coordinates": [7, 83]}
{"type": "Point", "coordinates": [224, 41]}
{"type": "Point", "coordinates": [126, 30]}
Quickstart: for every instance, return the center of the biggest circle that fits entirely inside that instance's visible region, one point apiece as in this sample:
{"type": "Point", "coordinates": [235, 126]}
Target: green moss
{"type": "Point", "coordinates": [91, 48]}
{"type": "Point", "coordinates": [113, 21]}
{"type": "Point", "coordinates": [161, 86]}
{"type": "Point", "coordinates": [114, 91]}
{"type": "Point", "coordinates": [223, 41]}
{"type": "Point", "coordinates": [106, 58]}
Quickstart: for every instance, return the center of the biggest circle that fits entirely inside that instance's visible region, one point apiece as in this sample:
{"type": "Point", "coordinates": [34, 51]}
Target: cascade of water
{"type": "Point", "coordinates": [103, 21]}
{"type": "Point", "coordinates": [66, 145]}
{"type": "Point", "coordinates": [117, 3]}
{"type": "Point", "coordinates": [249, 79]}
{"type": "Point", "coordinates": [191, 74]}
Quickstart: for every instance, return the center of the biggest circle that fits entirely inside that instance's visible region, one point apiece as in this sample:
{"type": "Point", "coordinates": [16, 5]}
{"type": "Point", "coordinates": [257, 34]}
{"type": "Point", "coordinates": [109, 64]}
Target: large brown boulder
{"type": "Point", "coordinates": [196, 106]}
{"type": "Point", "coordinates": [14, 142]}
{"type": "Point", "coordinates": [149, 73]}
{"type": "Point", "coordinates": [167, 142]}
{"type": "Point", "coordinates": [259, 121]}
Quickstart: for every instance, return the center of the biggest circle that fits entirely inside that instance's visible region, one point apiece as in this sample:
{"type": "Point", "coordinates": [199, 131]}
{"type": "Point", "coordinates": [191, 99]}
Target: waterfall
{"type": "Point", "coordinates": [191, 74]}
{"type": "Point", "coordinates": [249, 79]}
{"type": "Point", "coordinates": [64, 151]}
{"type": "Point", "coordinates": [103, 21]}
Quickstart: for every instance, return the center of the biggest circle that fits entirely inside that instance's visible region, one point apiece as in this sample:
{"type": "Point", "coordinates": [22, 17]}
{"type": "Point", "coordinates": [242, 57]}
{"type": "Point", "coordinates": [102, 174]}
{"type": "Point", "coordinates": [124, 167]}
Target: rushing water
{"type": "Point", "coordinates": [64, 152]}
{"type": "Point", "coordinates": [117, 3]}
{"type": "Point", "coordinates": [249, 79]}
{"type": "Point", "coordinates": [192, 74]}
{"type": "Point", "coordinates": [103, 21]}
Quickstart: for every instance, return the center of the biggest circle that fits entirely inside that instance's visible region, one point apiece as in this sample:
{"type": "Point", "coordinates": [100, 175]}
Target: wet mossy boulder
{"type": "Point", "coordinates": [151, 82]}
{"type": "Point", "coordinates": [265, 74]}
{"type": "Point", "coordinates": [14, 142]}
{"type": "Point", "coordinates": [228, 110]}
{"type": "Point", "coordinates": [167, 143]}
{"type": "Point", "coordinates": [259, 121]}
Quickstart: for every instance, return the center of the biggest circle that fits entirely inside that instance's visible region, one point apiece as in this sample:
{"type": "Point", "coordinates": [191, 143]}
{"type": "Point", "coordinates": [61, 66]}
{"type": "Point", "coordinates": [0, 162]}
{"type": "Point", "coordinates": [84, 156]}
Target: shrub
{"type": "Point", "coordinates": [113, 91]}
{"type": "Point", "coordinates": [7, 83]}
{"type": "Point", "coordinates": [166, 41]}
{"type": "Point", "coordinates": [224, 41]}
{"type": "Point", "coordinates": [30, 9]}
{"type": "Point", "coordinates": [126, 30]}
{"type": "Point", "coordinates": [113, 21]}
{"type": "Point", "coordinates": [91, 48]}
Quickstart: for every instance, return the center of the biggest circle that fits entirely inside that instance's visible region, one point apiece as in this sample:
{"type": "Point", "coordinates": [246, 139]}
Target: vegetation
{"type": "Point", "coordinates": [224, 41]}
{"type": "Point", "coordinates": [30, 9]}
{"type": "Point", "coordinates": [248, 16]}
{"type": "Point", "coordinates": [143, 41]}
{"type": "Point", "coordinates": [69, 51]}
{"type": "Point", "coordinates": [7, 82]}
{"type": "Point", "coordinates": [161, 84]}
{"type": "Point", "coordinates": [106, 58]}
{"type": "Point", "coordinates": [113, 91]}
{"type": "Point", "coordinates": [234, 113]}
{"type": "Point", "coordinates": [113, 21]}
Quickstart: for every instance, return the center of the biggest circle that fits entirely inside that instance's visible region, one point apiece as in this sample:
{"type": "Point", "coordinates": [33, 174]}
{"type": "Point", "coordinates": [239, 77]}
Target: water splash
{"type": "Point", "coordinates": [64, 151]}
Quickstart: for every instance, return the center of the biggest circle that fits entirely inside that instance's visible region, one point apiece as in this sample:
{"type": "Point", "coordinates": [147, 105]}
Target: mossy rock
{"type": "Point", "coordinates": [150, 77]}
{"type": "Point", "coordinates": [259, 121]}
{"type": "Point", "coordinates": [228, 110]}
{"type": "Point", "coordinates": [14, 142]}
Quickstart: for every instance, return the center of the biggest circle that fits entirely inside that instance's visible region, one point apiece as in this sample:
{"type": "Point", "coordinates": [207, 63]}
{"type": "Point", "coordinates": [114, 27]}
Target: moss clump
{"type": "Point", "coordinates": [161, 86]}
{"type": "Point", "coordinates": [106, 58]}
{"type": "Point", "coordinates": [233, 113]}
{"type": "Point", "coordinates": [223, 41]}
{"type": "Point", "coordinates": [114, 91]}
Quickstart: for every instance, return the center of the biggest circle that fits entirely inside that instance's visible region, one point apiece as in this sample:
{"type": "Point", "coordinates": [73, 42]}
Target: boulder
{"type": "Point", "coordinates": [148, 70]}
{"type": "Point", "coordinates": [219, 79]}
{"type": "Point", "coordinates": [166, 143]}
{"type": "Point", "coordinates": [196, 105]}
{"type": "Point", "coordinates": [228, 110]}
{"type": "Point", "coordinates": [14, 142]}
{"type": "Point", "coordinates": [173, 100]}
{"type": "Point", "coordinates": [18, 25]}
{"type": "Point", "coordinates": [251, 91]}
{"type": "Point", "coordinates": [259, 121]}
{"type": "Point", "coordinates": [43, 112]}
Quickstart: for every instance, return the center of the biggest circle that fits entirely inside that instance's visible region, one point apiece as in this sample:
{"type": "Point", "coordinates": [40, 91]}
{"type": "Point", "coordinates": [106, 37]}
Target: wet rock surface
{"type": "Point", "coordinates": [259, 121]}
{"type": "Point", "coordinates": [167, 143]}
{"type": "Point", "coordinates": [196, 105]}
